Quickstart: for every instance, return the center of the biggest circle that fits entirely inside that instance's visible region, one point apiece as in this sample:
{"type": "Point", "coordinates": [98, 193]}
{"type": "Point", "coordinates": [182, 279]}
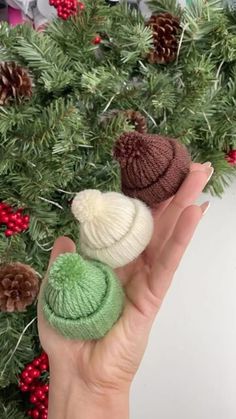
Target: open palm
{"type": "Point", "coordinates": [111, 362]}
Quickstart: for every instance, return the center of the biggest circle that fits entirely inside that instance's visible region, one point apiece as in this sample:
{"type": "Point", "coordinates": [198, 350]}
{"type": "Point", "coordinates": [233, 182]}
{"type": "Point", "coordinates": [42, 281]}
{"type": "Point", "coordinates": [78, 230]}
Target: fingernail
{"type": "Point", "coordinates": [207, 164]}
{"type": "Point", "coordinates": [205, 207]}
{"type": "Point", "coordinates": [209, 171]}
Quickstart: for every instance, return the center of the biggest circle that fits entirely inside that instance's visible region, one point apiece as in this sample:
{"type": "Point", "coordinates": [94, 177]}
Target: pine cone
{"type": "Point", "coordinates": [135, 117]}
{"type": "Point", "coordinates": [15, 83]}
{"type": "Point", "coordinates": [165, 38]}
{"type": "Point", "coordinates": [19, 285]}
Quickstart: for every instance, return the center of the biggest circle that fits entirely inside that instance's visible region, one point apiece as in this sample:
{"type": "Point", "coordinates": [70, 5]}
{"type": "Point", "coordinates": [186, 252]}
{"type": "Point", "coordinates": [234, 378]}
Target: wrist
{"type": "Point", "coordinates": [72, 398]}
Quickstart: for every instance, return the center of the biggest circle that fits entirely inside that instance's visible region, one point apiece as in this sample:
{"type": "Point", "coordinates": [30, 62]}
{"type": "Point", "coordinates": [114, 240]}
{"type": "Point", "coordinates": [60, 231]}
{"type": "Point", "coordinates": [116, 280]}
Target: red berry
{"type": "Point", "coordinates": [32, 388]}
{"type": "Point", "coordinates": [11, 225]}
{"type": "Point", "coordinates": [29, 413]}
{"type": "Point", "coordinates": [96, 40]}
{"type": "Point", "coordinates": [29, 367]}
{"type": "Point", "coordinates": [24, 374]}
{"type": "Point", "coordinates": [39, 393]}
{"type": "Point", "coordinates": [4, 219]}
{"type": "Point", "coordinates": [24, 388]}
{"type": "Point", "coordinates": [35, 413]}
{"type": "Point", "coordinates": [33, 398]}
{"type": "Point", "coordinates": [44, 415]}
{"type": "Point", "coordinates": [16, 229]}
{"type": "Point", "coordinates": [19, 221]}
{"type": "Point", "coordinates": [81, 5]}
{"type": "Point", "coordinates": [8, 233]}
{"type": "Point", "coordinates": [28, 380]}
{"type": "Point", "coordinates": [13, 216]}
{"type": "Point", "coordinates": [24, 226]}
{"type": "Point", "coordinates": [43, 366]}
{"type": "Point", "coordinates": [2, 205]}
{"type": "Point", "coordinates": [36, 362]}
{"type": "Point", "coordinates": [45, 388]}
{"type": "Point", "coordinates": [41, 407]}
{"type": "Point", "coordinates": [26, 218]}
{"type": "Point", "coordinates": [34, 373]}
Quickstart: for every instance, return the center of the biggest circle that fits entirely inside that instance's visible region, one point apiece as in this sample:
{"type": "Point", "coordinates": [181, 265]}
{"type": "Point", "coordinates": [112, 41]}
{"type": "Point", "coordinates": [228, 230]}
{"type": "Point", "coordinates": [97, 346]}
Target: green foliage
{"type": "Point", "coordinates": [11, 411]}
{"type": "Point", "coordinates": [61, 140]}
{"type": "Point", "coordinates": [18, 338]}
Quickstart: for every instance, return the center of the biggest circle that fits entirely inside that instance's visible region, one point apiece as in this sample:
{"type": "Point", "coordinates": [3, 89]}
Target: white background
{"type": "Point", "coordinates": [189, 369]}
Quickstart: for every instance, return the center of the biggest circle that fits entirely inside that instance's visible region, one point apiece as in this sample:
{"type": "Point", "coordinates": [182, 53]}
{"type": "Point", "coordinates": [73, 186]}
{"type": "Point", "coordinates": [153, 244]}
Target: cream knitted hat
{"type": "Point", "coordinates": [115, 229]}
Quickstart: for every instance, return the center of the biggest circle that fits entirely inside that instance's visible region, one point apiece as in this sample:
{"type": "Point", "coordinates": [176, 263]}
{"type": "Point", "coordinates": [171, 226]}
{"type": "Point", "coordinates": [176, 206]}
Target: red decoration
{"type": "Point", "coordinates": [97, 40]}
{"type": "Point", "coordinates": [15, 221]}
{"type": "Point", "coordinates": [31, 382]}
{"type": "Point", "coordinates": [231, 157]}
{"type": "Point", "coordinates": [67, 8]}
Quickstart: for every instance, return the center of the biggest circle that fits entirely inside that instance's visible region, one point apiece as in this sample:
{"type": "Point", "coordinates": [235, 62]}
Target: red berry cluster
{"type": "Point", "coordinates": [15, 221]}
{"type": "Point", "coordinates": [66, 8]}
{"type": "Point", "coordinates": [38, 391]}
{"type": "Point", "coordinates": [231, 157]}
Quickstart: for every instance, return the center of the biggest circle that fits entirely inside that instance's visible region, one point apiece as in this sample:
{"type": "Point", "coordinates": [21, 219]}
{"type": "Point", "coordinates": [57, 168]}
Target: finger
{"type": "Point", "coordinates": [205, 207]}
{"type": "Point", "coordinates": [158, 209]}
{"type": "Point", "coordinates": [167, 262]}
{"type": "Point", "coordinates": [187, 194]}
{"type": "Point", "coordinates": [199, 166]}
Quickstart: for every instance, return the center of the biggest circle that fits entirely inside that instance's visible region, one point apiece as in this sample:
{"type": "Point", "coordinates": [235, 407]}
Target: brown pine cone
{"type": "Point", "coordinates": [15, 83]}
{"type": "Point", "coordinates": [137, 119]}
{"type": "Point", "coordinates": [165, 29]}
{"type": "Point", "coordinates": [19, 286]}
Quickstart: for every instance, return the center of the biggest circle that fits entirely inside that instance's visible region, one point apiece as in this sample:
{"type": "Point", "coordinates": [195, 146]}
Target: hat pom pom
{"type": "Point", "coordinates": [129, 147]}
{"type": "Point", "coordinates": [87, 205]}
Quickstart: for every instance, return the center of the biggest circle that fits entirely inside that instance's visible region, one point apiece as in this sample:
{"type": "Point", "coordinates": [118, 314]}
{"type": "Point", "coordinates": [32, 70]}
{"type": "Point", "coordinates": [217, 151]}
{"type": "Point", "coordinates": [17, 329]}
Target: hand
{"type": "Point", "coordinates": [106, 367]}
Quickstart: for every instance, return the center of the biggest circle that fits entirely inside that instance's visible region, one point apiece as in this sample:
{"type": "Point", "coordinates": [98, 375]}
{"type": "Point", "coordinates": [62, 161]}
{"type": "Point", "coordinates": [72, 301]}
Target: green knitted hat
{"type": "Point", "coordinates": [82, 299]}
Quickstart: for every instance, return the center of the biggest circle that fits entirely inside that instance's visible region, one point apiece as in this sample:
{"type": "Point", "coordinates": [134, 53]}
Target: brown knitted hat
{"type": "Point", "coordinates": [152, 167]}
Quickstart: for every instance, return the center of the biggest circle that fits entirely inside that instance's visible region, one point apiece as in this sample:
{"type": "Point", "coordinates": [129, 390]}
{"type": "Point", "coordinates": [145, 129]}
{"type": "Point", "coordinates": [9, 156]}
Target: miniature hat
{"type": "Point", "coordinates": [81, 299]}
{"type": "Point", "coordinates": [114, 229]}
{"type": "Point", "coordinates": [152, 167]}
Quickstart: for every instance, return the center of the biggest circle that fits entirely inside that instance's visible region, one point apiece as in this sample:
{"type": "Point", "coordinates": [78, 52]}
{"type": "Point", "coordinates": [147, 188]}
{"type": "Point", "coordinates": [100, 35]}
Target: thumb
{"type": "Point", "coordinates": [61, 245]}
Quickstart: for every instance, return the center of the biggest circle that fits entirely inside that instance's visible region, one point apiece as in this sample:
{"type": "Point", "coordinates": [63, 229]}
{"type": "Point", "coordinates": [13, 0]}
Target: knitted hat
{"type": "Point", "coordinates": [114, 229]}
{"type": "Point", "coordinates": [81, 299]}
{"type": "Point", "coordinates": [152, 167]}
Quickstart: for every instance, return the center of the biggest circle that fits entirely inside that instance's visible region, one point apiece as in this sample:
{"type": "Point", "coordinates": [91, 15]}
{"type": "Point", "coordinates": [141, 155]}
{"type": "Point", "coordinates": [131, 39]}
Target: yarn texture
{"type": "Point", "coordinates": [114, 229]}
{"type": "Point", "coordinates": [153, 167]}
{"type": "Point", "coordinates": [82, 299]}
